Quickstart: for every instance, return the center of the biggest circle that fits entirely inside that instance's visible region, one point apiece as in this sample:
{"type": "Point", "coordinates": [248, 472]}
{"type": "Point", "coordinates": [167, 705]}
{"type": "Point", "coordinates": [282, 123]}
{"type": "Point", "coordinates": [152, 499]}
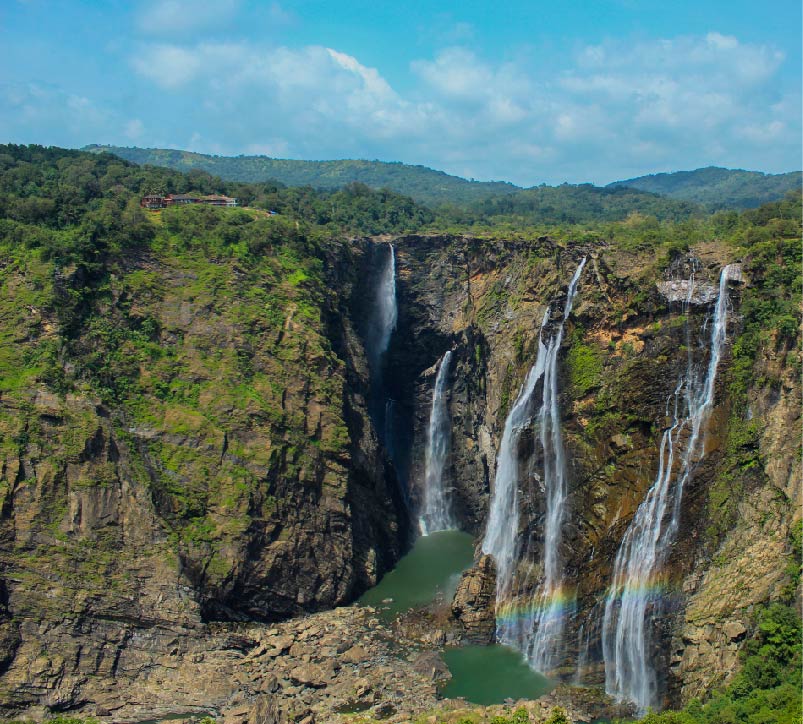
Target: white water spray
{"type": "Point", "coordinates": [538, 632]}
{"type": "Point", "coordinates": [629, 671]}
{"type": "Point", "coordinates": [386, 308]}
{"type": "Point", "coordinates": [436, 512]}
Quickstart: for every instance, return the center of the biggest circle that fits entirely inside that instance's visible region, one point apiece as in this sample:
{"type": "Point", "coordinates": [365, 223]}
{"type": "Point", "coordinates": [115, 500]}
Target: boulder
{"type": "Point", "coordinates": [474, 601]}
{"type": "Point", "coordinates": [310, 675]}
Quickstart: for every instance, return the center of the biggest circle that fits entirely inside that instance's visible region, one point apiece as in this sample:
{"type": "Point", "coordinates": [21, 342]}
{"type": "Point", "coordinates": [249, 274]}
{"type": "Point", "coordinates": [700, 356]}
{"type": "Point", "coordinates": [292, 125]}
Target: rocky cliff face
{"type": "Point", "coordinates": [747, 566]}
{"type": "Point", "coordinates": [234, 476]}
{"type": "Point", "coordinates": [625, 349]}
{"type": "Point", "coordinates": [231, 470]}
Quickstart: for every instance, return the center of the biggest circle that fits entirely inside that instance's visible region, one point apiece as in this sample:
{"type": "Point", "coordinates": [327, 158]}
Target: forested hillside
{"type": "Point", "coordinates": [711, 188]}
{"type": "Point", "coordinates": [419, 182]}
{"type": "Point", "coordinates": [568, 204]}
{"type": "Point", "coordinates": [718, 188]}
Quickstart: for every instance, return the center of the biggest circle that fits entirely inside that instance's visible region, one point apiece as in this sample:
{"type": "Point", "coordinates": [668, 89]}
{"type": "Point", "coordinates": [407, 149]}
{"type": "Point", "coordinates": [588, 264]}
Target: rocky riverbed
{"type": "Point", "coordinates": [344, 665]}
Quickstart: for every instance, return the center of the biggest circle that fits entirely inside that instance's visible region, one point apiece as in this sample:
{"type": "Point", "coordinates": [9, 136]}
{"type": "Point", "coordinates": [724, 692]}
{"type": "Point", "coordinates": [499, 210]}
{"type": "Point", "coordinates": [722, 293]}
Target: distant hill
{"type": "Point", "coordinates": [419, 182]}
{"type": "Point", "coordinates": [718, 188]}
{"type": "Point", "coordinates": [712, 188]}
{"type": "Point", "coordinates": [579, 204]}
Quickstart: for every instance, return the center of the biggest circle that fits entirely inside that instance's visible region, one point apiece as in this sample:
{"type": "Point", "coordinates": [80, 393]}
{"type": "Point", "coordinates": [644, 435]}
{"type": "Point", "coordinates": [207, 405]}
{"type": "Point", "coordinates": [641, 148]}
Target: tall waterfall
{"type": "Point", "coordinates": [629, 673]}
{"type": "Point", "coordinates": [436, 513]}
{"type": "Point", "coordinates": [386, 312]}
{"type": "Point", "coordinates": [532, 623]}
{"type": "Point", "coordinates": [382, 323]}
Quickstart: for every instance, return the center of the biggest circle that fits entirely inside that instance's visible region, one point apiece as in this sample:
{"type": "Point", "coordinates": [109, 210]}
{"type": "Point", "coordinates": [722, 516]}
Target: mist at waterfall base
{"type": "Point", "coordinates": [533, 622]}
{"type": "Point", "coordinates": [633, 602]}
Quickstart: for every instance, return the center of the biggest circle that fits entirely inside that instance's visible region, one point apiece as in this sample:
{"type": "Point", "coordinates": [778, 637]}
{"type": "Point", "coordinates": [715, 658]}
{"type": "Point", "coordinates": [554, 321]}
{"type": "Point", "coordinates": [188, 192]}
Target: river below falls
{"type": "Point", "coordinates": [490, 674]}
{"type": "Point", "coordinates": [431, 570]}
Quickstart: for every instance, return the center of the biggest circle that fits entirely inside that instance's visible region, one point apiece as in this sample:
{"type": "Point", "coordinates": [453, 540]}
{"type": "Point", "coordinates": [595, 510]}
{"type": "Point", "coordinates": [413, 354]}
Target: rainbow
{"type": "Point", "coordinates": [646, 591]}
{"type": "Point", "coordinates": [657, 588]}
{"type": "Point", "coordinates": [555, 605]}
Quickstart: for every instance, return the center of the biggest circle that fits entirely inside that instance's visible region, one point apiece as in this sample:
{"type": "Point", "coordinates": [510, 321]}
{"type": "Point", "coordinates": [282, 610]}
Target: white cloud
{"type": "Point", "coordinates": [456, 73]}
{"type": "Point", "coordinates": [761, 133]}
{"type": "Point", "coordinates": [721, 42]}
{"type": "Point", "coordinates": [168, 66]}
{"type": "Point", "coordinates": [616, 109]}
{"type": "Point", "coordinates": [39, 113]}
{"type": "Point", "coordinates": [172, 17]}
{"type": "Point", "coordinates": [134, 129]}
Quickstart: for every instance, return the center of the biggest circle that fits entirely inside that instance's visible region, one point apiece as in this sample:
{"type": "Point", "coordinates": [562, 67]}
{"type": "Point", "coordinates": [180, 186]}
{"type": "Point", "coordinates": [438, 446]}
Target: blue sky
{"type": "Point", "coordinates": [522, 90]}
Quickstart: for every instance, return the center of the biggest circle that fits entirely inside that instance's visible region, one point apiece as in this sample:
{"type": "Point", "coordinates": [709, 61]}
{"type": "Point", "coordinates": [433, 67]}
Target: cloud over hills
{"type": "Point", "coordinates": [595, 112]}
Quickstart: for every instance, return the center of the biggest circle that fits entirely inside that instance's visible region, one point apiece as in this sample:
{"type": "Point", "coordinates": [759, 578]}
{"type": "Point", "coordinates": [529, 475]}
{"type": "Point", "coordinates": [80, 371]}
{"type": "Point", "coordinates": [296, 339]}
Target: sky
{"type": "Point", "coordinates": [526, 91]}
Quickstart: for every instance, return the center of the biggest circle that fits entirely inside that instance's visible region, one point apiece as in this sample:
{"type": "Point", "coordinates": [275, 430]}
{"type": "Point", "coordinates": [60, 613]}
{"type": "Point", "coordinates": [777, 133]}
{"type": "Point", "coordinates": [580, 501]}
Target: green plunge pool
{"type": "Point", "coordinates": [490, 674]}
{"type": "Point", "coordinates": [480, 674]}
{"type": "Point", "coordinates": [431, 568]}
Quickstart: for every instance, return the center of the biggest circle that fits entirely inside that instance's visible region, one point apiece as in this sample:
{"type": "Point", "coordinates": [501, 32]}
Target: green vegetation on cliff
{"type": "Point", "coordinates": [54, 188]}
{"type": "Point", "coordinates": [767, 690]}
{"type": "Point", "coordinates": [202, 334]}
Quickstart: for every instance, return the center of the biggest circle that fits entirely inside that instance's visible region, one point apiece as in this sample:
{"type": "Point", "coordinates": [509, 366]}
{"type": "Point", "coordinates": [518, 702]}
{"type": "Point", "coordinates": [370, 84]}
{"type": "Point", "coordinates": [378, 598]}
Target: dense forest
{"type": "Point", "coordinates": [421, 183]}
{"type": "Point", "coordinates": [718, 188]}
{"type": "Point", "coordinates": [710, 188]}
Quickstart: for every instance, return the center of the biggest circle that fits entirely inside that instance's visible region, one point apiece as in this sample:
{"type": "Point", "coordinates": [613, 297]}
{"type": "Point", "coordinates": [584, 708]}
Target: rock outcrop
{"type": "Point", "coordinates": [229, 472]}
{"type": "Point", "coordinates": [474, 601]}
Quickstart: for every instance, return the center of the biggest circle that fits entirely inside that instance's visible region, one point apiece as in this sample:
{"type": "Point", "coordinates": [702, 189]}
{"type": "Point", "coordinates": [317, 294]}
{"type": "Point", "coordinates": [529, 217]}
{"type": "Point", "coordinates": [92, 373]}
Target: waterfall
{"type": "Point", "coordinates": [436, 513]}
{"type": "Point", "coordinates": [536, 625]}
{"type": "Point", "coordinates": [583, 645]}
{"type": "Point", "coordinates": [629, 671]}
{"type": "Point", "coordinates": [382, 323]}
{"type": "Point", "coordinates": [386, 312]}
{"type": "Point", "coordinates": [546, 644]}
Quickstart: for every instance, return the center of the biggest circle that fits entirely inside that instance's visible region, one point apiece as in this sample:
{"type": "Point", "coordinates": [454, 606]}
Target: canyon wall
{"type": "Point", "coordinates": [242, 479]}
{"type": "Point", "coordinates": [239, 479]}
{"type": "Point", "coordinates": [626, 346]}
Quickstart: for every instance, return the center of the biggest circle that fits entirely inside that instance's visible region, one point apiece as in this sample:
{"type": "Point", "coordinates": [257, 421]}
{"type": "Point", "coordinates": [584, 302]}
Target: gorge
{"type": "Point", "coordinates": [221, 429]}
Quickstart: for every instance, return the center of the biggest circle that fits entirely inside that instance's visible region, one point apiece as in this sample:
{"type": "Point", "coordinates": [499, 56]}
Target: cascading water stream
{"type": "Point", "coordinates": [550, 601]}
{"type": "Point", "coordinates": [386, 311]}
{"type": "Point", "coordinates": [382, 325]}
{"type": "Point", "coordinates": [629, 671]}
{"type": "Point", "coordinates": [538, 632]}
{"type": "Point", "coordinates": [436, 513]}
